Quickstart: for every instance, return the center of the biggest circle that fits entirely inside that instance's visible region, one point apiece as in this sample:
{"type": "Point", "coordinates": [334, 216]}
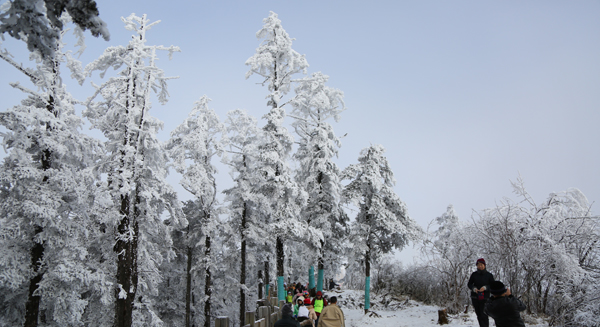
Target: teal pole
{"type": "Point", "coordinates": [311, 277]}
{"type": "Point", "coordinates": [320, 280]}
{"type": "Point", "coordinates": [280, 290]}
{"type": "Point", "coordinates": [267, 290]}
{"type": "Point", "coordinates": [367, 292]}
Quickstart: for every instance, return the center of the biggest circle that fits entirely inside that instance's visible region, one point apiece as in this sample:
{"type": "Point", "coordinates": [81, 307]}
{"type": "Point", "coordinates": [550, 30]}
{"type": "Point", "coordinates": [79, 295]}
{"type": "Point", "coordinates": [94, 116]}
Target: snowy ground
{"type": "Point", "coordinates": [403, 313]}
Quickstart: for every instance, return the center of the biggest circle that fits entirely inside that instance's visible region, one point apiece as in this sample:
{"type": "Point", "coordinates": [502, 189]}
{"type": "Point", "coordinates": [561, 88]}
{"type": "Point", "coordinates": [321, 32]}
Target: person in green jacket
{"type": "Point", "coordinates": [299, 303]}
{"type": "Point", "coordinates": [289, 297]}
{"type": "Point", "coordinates": [319, 303]}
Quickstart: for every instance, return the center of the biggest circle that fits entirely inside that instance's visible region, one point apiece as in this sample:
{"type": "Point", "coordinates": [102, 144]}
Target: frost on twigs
{"type": "Point", "coordinates": [39, 22]}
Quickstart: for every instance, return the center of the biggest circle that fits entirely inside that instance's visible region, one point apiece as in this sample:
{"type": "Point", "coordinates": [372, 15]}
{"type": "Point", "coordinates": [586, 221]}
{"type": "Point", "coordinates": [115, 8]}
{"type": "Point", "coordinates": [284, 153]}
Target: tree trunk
{"type": "Point", "coordinates": [207, 285]}
{"type": "Point", "coordinates": [280, 257]}
{"type": "Point", "coordinates": [243, 269]}
{"type": "Point", "coordinates": [367, 279]}
{"type": "Point", "coordinates": [260, 284]}
{"type": "Point", "coordinates": [32, 307]}
{"type": "Point", "coordinates": [280, 268]}
{"type": "Point", "coordinates": [320, 268]}
{"type": "Point", "coordinates": [126, 249]}
{"type": "Point", "coordinates": [188, 288]}
{"type": "Point", "coordinates": [267, 280]}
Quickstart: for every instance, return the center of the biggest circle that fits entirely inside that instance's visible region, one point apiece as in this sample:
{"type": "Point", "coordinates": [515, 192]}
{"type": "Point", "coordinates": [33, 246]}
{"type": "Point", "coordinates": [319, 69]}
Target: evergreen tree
{"type": "Point", "coordinates": [243, 135]}
{"type": "Point", "coordinates": [47, 191]}
{"type": "Point", "coordinates": [277, 62]}
{"type": "Point", "coordinates": [135, 167]}
{"type": "Point", "coordinates": [195, 142]}
{"type": "Point", "coordinates": [38, 22]}
{"type": "Point", "coordinates": [314, 104]}
{"type": "Point", "coordinates": [382, 222]}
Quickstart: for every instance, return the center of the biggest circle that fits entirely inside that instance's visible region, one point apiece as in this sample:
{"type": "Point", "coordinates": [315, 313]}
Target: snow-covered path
{"type": "Point", "coordinates": [406, 314]}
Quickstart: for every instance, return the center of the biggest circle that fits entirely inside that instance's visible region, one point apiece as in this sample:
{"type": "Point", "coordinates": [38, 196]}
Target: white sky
{"type": "Point", "coordinates": [464, 95]}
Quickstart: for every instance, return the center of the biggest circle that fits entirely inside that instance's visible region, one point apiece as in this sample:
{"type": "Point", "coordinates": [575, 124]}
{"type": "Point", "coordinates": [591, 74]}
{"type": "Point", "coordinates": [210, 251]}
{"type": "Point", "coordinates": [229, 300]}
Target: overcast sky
{"type": "Point", "coordinates": [464, 95]}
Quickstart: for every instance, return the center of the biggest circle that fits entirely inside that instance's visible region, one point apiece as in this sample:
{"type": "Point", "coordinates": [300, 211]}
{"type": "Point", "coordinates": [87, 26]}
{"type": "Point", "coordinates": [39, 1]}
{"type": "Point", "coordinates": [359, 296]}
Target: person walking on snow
{"type": "Point", "coordinates": [479, 284]}
{"type": "Point", "coordinates": [312, 315]}
{"type": "Point", "coordinates": [332, 315]}
{"type": "Point", "coordinates": [319, 303]}
{"type": "Point", "coordinates": [303, 313]}
{"type": "Point", "coordinates": [299, 303]}
{"type": "Point", "coordinates": [286, 318]}
{"type": "Point", "coordinates": [504, 307]}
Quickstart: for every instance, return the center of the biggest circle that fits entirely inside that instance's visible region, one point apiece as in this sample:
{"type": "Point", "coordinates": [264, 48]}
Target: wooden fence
{"type": "Point", "coordinates": [269, 311]}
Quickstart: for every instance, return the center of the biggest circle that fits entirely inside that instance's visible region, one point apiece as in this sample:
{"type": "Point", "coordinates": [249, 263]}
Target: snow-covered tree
{"type": "Point", "coordinates": [277, 62]}
{"type": "Point", "coordinates": [135, 169]}
{"type": "Point", "coordinates": [243, 134]}
{"type": "Point", "coordinates": [542, 251]}
{"type": "Point", "coordinates": [318, 175]}
{"type": "Point", "coordinates": [192, 146]}
{"type": "Point", "coordinates": [448, 253]}
{"type": "Point", "coordinates": [171, 298]}
{"type": "Point", "coordinates": [47, 191]}
{"type": "Point", "coordinates": [382, 222]}
{"type": "Point", "coordinates": [38, 22]}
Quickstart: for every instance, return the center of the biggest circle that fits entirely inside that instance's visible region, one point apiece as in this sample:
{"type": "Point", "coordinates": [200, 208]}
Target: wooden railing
{"type": "Point", "coordinates": [269, 311]}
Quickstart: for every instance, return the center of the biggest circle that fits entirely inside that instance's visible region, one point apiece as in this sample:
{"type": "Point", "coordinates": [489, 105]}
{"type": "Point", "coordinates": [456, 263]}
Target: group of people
{"type": "Point", "coordinates": [318, 312]}
{"type": "Point", "coordinates": [492, 298]}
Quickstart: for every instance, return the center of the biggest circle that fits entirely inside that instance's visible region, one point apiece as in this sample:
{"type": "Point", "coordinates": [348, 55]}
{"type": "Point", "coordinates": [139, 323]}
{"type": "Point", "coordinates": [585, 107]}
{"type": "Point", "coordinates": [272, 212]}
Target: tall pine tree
{"type": "Point", "coordinates": [382, 222]}
{"type": "Point", "coordinates": [135, 167]}
{"type": "Point", "coordinates": [315, 104]}
{"type": "Point", "coordinates": [277, 62]}
{"type": "Point", "coordinates": [47, 190]}
{"type": "Point", "coordinates": [243, 134]}
{"type": "Point", "coordinates": [192, 146]}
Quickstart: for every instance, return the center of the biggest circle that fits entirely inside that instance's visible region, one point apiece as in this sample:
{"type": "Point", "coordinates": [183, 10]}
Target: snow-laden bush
{"type": "Point", "coordinates": [546, 253]}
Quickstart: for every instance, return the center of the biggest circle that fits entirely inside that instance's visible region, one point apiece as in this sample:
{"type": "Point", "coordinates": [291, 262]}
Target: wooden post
{"type": "Point", "coordinates": [222, 322]}
{"type": "Point", "coordinates": [250, 318]}
{"type": "Point", "coordinates": [263, 313]}
{"type": "Point", "coordinates": [273, 319]}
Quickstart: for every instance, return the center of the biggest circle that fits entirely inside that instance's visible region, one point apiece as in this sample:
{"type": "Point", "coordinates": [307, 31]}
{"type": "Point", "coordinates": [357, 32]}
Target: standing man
{"type": "Point", "coordinates": [479, 284]}
{"type": "Point", "coordinates": [332, 315]}
{"type": "Point", "coordinates": [504, 307]}
{"type": "Point", "coordinates": [319, 303]}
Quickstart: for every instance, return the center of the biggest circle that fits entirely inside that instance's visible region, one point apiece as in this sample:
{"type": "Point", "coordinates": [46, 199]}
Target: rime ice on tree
{"type": "Point", "coordinates": [315, 104]}
{"type": "Point", "coordinates": [192, 146]}
{"type": "Point", "coordinates": [277, 62]}
{"type": "Point", "coordinates": [135, 166]}
{"type": "Point", "coordinates": [382, 222]}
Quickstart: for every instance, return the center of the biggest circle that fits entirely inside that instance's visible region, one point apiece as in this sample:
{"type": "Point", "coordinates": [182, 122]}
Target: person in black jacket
{"type": "Point", "coordinates": [479, 284]}
{"type": "Point", "coordinates": [504, 307]}
{"type": "Point", "coordinates": [286, 317]}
